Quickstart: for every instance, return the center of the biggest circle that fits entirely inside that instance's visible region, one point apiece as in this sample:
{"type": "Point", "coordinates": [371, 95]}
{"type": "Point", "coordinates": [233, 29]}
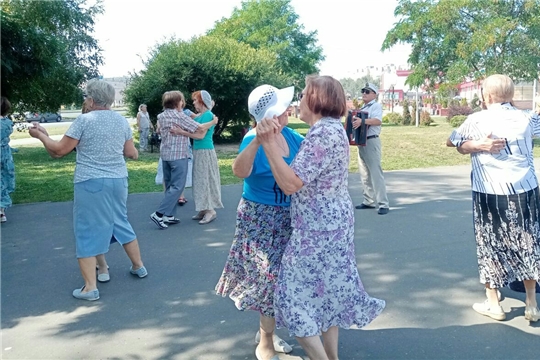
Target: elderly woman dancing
{"type": "Point", "coordinates": [318, 287]}
{"type": "Point", "coordinates": [263, 221]}
{"type": "Point", "coordinates": [506, 198]}
{"type": "Point", "coordinates": [102, 138]}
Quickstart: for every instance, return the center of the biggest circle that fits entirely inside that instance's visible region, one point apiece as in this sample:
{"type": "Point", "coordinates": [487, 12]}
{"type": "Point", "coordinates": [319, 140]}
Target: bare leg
{"type": "Point", "coordinates": [103, 268]}
{"type": "Point", "coordinates": [313, 346]}
{"type": "Point", "coordinates": [266, 346]}
{"type": "Point", "coordinates": [134, 254]}
{"type": "Point", "coordinates": [330, 342]}
{"type": "Point", "coordinates": [88, 271]}
{"type": "Point", "coordinates": [492, 296]}
{"type": "Point", "coordinates": [530, 290]}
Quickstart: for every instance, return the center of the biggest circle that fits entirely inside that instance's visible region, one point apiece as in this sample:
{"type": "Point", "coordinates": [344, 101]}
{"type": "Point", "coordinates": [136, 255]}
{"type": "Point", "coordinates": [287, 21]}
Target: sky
{"type": "Point", "coordinates": [350, 32]}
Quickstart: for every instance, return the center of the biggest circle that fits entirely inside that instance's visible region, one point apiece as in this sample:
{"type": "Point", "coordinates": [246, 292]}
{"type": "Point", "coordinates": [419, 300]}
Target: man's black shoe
{"type": "Point", "coordinates": [364, 206]}
{"type": "Point", "coordinates": [383, 211]}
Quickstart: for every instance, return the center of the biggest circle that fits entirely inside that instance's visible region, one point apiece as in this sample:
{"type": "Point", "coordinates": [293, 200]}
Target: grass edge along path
{"type": "Point", "coordinates": [40, 178]}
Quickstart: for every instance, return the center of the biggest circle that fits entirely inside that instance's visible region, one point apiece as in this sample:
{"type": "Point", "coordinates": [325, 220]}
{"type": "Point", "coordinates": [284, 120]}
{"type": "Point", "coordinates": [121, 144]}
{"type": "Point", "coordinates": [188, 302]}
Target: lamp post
{"type": "Point", "coordinates": [392, 98]}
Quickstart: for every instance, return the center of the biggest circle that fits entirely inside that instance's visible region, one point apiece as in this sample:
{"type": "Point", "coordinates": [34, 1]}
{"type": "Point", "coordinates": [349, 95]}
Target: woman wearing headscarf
{"type": "Point", "coordinates": [506, 197]}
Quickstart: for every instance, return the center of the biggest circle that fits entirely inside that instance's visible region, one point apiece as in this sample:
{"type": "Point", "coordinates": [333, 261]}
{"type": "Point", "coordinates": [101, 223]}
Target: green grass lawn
{"type": "Point", "coordinates": [41, 178]}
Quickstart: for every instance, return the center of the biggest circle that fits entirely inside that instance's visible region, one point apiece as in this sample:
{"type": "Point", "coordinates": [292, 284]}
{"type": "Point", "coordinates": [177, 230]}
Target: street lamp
{"type": "Point", "coordinates": [392, 98]}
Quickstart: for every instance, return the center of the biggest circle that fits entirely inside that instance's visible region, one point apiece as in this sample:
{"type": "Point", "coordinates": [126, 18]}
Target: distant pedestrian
{"type": "Point", "coordinates": [370, 155]}
{"type": "Point", "coordinates": [144, 125]}
{"type": "Point", "coordinates": [8, 166]}
{"type": "Point", "coordinates": [506, 196]}
{"type": "Point", "coordinates": [102, 138]}
{"type": "Point", "coordinates": [318, 288]}
{"type": "Point", "coordinates": [263, 220]}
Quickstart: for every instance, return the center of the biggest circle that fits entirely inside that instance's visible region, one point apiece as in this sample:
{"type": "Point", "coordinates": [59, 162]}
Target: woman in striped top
{"type": "Point", "coordinates": [506, 198]}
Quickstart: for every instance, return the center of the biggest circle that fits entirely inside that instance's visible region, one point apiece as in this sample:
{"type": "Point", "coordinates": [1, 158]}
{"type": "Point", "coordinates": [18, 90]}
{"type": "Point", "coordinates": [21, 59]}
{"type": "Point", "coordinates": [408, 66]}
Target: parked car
{"type": "Point", "coordinates": [42, 117]}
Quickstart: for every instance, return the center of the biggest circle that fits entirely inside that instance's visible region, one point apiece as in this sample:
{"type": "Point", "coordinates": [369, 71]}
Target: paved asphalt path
{"type": "Point", "coordinates": [420, 258]}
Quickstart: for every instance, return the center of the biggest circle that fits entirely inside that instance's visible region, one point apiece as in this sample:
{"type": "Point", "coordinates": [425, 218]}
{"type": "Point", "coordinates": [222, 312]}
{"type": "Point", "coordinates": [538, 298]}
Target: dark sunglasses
{"type": "Point", "coordinates": [300, 96]}
{"type": "Point", "coordinates": [366, 91]}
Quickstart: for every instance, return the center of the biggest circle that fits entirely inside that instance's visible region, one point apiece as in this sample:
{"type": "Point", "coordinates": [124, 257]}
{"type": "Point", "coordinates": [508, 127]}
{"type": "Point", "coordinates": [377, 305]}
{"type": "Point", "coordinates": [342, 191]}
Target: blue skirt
{"type": "Point", "coordinates": [99, 215]}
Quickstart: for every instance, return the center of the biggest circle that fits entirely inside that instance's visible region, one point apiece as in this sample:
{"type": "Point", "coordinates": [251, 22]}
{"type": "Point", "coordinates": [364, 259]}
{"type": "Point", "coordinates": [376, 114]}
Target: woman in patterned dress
{"type": "Point", "coordinates": [8, 166]}
{"type": "Point", "coordinates": [263, 222]}
{"type": "Point", "coordinates": [318, 288]}
{"type": "Point", "coordinates": [506, 198]}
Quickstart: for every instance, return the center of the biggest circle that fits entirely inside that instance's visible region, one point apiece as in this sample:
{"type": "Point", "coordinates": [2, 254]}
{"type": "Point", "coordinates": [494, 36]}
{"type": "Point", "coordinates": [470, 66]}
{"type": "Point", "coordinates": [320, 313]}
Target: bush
{"type": "Point", "coordinates": [463, 102]}
{"type": "Point", "coordinates": [458, 110]}
{"type": "Point", "coordinates": [457, 120]}
{"type": "Point", "coordinates": [406, 113]}
{"type": "Point", "coordinates": [475, 102]}
{"type": "Point", "coordinates": [425, 118]}
{"type": "Point", "coordinates": [392, 118]}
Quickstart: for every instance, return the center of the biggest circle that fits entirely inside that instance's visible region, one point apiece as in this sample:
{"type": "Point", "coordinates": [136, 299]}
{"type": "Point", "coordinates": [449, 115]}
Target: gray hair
{"type": "Point", "coordinates": [140, 106]}
{"type": "Point", "coordinates": [498, 88]}
{"type": "Point", "coordinates": [101, 92]}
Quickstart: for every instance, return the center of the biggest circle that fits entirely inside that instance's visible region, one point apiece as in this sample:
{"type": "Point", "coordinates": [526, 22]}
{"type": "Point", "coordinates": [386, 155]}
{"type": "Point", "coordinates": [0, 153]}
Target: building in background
{"type": "Point", "coordinates": [119, 84]}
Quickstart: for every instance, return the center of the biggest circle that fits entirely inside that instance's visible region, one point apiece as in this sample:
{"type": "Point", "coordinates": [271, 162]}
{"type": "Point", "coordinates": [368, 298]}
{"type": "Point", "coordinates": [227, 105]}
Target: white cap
{"type": "Point", "coordinates": [207, 99]}
{"type": "Point", "coordinates": [372, 87]}
{"type": "Point", "coordinates": [266, 101]}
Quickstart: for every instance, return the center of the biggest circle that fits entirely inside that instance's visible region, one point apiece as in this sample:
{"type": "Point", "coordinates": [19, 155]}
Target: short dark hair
{"type": "Point", "coordinates": [6, 106]}
{"type": "Point", "coordinates": [324, 95]}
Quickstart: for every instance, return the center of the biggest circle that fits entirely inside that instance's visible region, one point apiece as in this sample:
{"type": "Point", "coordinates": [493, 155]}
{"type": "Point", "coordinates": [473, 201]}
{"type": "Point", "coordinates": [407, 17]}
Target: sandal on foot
{"type": "Point", "coordinates": [182, 201]}
{"type": "Point", "coordinates": [280, 345]}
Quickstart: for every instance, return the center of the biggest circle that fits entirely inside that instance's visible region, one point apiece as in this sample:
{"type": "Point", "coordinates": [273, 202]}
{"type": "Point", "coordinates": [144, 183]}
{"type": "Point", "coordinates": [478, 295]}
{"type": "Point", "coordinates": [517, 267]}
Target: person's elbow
{"type": "Point", "coordinates": [240, 171]}
{"type": "Point", "coordinates": [132, 154]}
{"type": "Point", "coordinates": [292, 186]}
{"type": "Point", "coordinates": [450, 143]}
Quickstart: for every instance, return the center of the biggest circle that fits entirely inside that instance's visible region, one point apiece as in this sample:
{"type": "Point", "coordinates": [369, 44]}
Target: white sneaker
{"type": "Point", "coordinates": [495, 312]}
{"type": "Point", "coordinates": [3, 218]}
{"type": "Point", "coordinates": [280, 345]}
{"type": "Point", "coordinates": [158, 221]}
{"type": "Point", "coordinates": [170, 220]}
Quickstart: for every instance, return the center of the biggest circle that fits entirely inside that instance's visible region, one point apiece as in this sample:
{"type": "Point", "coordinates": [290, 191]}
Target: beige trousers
{"type": "Point", "coordinates": [371, 174]}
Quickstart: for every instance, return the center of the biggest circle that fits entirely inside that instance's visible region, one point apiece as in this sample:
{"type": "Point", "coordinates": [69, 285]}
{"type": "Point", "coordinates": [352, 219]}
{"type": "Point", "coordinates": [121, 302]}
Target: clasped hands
{"type": "Point", "coordinates": [267, 130]}
{"type": "Point", "coordinates": [36, 130]}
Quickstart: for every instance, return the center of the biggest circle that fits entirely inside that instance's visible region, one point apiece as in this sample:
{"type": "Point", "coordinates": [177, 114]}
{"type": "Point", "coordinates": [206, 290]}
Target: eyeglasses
{"type": "Point", "coordinates": [84, 95]}
{"type": "Point", "coordinates": [366, 91]}
{"type": "Point", "coordinates": [300, 96]}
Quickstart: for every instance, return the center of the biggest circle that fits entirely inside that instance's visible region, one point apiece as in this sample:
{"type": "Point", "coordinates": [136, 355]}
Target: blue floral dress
{"type": "Point", "coordinates": [8, 167]}
{"type": "Point", "coordinates": [318, 284]}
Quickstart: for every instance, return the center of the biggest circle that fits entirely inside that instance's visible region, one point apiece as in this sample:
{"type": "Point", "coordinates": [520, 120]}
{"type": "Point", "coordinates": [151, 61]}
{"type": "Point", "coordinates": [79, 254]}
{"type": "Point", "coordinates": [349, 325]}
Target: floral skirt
{"type": "Point", "coordinates": [8, 176]}
{"type": "Point", "coordinates": [319, 287]}
{"type": "Point", "coordinates": [251, 270]}
{"type": "Point", "coordinates": [206, 180]}
{"type": "Point", "coordinates": [507, 233]}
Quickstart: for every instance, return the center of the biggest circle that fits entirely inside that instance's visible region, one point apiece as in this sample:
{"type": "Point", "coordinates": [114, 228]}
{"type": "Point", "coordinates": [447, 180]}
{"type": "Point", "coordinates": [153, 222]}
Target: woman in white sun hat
{"type": "Point", "coordinates": [263, 222]}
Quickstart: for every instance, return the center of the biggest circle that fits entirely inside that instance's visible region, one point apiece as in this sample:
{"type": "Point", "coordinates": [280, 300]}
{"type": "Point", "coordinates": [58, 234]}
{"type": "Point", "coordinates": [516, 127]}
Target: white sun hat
{"type": "Point", "coordinates": [266, 101]}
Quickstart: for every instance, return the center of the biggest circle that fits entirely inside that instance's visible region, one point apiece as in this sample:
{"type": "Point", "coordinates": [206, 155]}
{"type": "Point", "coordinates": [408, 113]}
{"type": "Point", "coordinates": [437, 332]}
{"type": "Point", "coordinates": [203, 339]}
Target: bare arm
{"type": "Point", "coordinates": [130, 151]}
{"type": "Point", "coordinates": [488, 144]}
{"type": "Point", "coordinates": [56, 149]}
{"type": "Point", "coordinates": [139, 121]}
{"type": "Point", "coordinates": [243, 164]}
{"type": "Point", "coordinates": [177, 130]}
{"type": "Point", "coordinates": [204, 127]}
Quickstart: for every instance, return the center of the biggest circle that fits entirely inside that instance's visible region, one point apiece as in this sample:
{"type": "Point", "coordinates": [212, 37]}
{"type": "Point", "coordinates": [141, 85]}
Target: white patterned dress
{"type": "Point", "coordinates": [318, 284]}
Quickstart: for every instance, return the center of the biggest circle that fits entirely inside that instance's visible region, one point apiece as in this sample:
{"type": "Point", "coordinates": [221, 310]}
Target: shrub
{"type": "Point", "coordinates": [457, 120]}
{"type": "Point", "coordinates": [392, 118]}
{"type": "Point", "coordinates": [458, 110]}
{"type": "Point", "coordinates": [425, 118]}
{"type": "Point", "coordinates": [475, 102]}
{"type": "Point", "coordinates": [406, 113]}
{"type": "Point", "coordinates": [463, 102]}
{"type": "Point", "coordinates": [414, 111]}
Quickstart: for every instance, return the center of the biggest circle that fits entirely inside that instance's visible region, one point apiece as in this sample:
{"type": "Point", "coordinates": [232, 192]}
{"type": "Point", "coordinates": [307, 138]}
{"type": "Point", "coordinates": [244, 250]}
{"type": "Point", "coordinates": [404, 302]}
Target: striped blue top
{"type": "Point", "coordinates": [512, 170]}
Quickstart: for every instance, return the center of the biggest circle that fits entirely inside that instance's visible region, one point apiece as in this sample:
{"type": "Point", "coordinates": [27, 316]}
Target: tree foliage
{"type": "Point", "coordinates": [457, 39]}
{"type": "Point", "coordinates": [228, 70]}
{"type": "Point", "coordinates": [353, 87]}
{"type": "Point", "coordinates": [47, 52]}
{"type": "Point", "coordinates": [273, 25]}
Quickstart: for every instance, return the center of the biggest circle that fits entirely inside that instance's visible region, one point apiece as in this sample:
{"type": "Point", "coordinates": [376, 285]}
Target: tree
{"type": "Point", "coordinates": [406, 113]}
{"type": "Point", "coordinates": [353, 87]}
{"type": "Point", "coordinates": [453, 40]}
{"type": "Point", "coordinates": [47, 52]}
{"type": "Point", "coordinates": [228, 70]}
{"type": "Point", "coordinates": [273, 25]}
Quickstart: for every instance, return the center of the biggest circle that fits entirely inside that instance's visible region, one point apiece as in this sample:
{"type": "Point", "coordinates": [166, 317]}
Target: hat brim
{"type": "Point", "coordinates": [284, 99]}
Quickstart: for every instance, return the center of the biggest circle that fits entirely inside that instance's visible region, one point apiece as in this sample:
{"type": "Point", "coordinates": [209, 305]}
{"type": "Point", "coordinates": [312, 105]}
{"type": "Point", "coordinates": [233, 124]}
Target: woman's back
{"type": "Point", "coordinates": [102, 135]}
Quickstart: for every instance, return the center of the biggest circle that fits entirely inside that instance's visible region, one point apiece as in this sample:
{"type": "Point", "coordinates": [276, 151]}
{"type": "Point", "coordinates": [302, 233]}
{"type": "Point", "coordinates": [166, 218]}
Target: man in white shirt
{"type": "Point", "coordinates": [369, 156]}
